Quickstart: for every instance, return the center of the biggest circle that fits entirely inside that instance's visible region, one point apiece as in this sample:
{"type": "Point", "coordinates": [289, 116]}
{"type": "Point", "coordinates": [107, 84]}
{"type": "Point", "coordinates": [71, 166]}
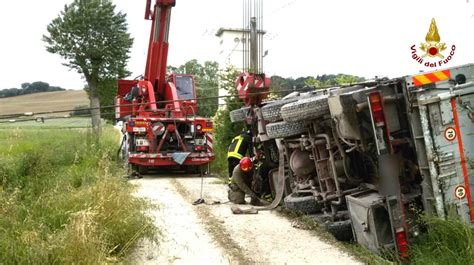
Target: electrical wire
{"type": "Point", "coordinates": [43, 119]}
{"type": "Point", "coordinates": [14, 115]}
{"type": "Point", "coordinates": [103, 113]}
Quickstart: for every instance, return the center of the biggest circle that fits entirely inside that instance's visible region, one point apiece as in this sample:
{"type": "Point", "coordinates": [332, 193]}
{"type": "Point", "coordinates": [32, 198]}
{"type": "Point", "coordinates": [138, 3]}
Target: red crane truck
{"type": "Point", "coordinates": [161, 127]}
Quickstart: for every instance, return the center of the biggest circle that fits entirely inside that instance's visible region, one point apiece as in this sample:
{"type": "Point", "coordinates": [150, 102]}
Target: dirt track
{"type": "Point", "coordinates": [211, 234]}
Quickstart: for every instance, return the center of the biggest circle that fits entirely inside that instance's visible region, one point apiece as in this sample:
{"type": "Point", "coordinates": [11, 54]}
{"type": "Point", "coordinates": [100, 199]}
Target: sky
{"type": "Point", "coordinates": [304, 37]}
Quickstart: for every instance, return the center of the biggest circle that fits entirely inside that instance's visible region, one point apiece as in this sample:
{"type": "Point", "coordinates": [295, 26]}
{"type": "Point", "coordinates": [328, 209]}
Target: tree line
{"type": "Point", "coordinates": [29, 88]}
{"type": "Point", "coordinates": [283, 86]}
{"type": "Point", "coordinates": [208, 77]}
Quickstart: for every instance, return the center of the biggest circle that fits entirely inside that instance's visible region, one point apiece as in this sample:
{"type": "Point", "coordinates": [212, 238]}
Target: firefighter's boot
{"type": "Point", "coordinates": [258, 202]}
{"type": "Point", "coordinates": [236, 195]}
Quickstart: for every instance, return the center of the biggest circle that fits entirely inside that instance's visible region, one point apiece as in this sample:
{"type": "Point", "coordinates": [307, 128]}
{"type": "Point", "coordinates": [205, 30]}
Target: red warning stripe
{"type": "Point", "coordinates": [424, 79]}
{"type": "Point", "coordinates": [463, 161]}
{"type": "Point", "coordinates": [209, 142]}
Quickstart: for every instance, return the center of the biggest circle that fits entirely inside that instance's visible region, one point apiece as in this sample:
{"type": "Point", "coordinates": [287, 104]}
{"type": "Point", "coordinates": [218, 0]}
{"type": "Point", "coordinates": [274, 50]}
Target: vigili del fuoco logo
{"type": "Point", "coordinates": [433, 52]}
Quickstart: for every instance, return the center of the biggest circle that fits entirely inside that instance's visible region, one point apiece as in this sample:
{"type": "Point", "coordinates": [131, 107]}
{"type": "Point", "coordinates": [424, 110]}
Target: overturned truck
{"type": "Point", "coordinates": [365, 159]}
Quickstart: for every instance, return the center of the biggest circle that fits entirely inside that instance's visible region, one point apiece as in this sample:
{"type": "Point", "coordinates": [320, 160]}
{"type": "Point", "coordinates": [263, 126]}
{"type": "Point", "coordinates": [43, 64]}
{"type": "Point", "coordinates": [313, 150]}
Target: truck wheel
{"type": "Point", "coordinates": [271, 112]}
{"type": "Point", "coordinates": [284, 129]}
{"type": "Point", "coordinates": [143, 170]}
{"type": "Point", "coordinates": [239, 114]}
{"type": "Point", "coordinates": [191, 169]}
{"type": "Point", "coordinates": [305, 109]}
{"type": "Point", "coordinates": [302, 204]}
{"type": "Point", "coordinates": [341, 230]}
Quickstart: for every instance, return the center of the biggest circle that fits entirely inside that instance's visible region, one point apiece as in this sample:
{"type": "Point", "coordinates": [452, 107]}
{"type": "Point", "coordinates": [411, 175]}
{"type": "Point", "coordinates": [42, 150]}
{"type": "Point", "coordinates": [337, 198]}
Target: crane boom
{"type": "Point", "coordinates": [155, 70]}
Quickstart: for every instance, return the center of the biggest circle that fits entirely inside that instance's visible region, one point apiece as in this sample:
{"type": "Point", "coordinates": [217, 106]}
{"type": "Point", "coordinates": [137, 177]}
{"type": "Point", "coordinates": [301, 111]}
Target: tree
{"type": "Point", "coordinates": [312, 82]}
{"type": "Point", "coordinates": [224, 129]}
{"type": "Point", "coordinates": [106, 92]}
{"type": "Point", "coordinates": [191, 67]}
{"type": "Point", "coordinates": [29, 88]}
{"type": "Point", "coordinates": [93, 39]}
{"type": "Point", "coordinates": [208, 87]}
{"type": "Point", "coordinates": [278, 84]}
{"type": "Point", "coordinates": [342, 79]}
{"type": "Point", "coordinates": [36, 87]}
{"type": "Point", "coordinates": [280, 87]}
{"type": "Point", "coordinates": [25, 85]}
{"type": "Point", "coordinates": [206, 81]}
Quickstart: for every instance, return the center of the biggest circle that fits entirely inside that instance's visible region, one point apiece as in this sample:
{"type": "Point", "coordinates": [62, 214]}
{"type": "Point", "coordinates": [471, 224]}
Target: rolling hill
{"type": "Point", "coordinates": [46, 101]}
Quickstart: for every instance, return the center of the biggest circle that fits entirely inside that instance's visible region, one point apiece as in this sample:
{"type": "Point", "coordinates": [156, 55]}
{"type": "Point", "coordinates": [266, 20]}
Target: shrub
{"type": "Point", "coordinates": [224, 128]}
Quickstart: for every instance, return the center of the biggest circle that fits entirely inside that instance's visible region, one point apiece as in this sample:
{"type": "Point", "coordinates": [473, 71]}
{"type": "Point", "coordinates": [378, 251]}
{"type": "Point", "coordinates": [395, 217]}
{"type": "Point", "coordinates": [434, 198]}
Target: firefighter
{"type": "Point", "coordinates": [237, 150]}
{"type": "Point", "coordinates": [241, 181]}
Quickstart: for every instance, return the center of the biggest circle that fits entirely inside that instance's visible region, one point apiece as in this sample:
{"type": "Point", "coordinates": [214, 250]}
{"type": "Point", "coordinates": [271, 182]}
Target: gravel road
{"type": "Point", "coordinates": [211, 234]}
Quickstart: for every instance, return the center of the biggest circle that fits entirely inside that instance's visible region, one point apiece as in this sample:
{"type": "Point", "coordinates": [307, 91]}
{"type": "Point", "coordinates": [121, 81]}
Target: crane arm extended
{"type": "Point", "coordinates": [157, 57]}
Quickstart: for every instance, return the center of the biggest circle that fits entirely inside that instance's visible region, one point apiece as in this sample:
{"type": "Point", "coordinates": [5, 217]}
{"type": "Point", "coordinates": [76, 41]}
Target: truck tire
{"type": "Point", "coordinates": [143, 170]}
{"type": "Point", "coordinates": [284, 129]}
{"type": "Point", "coordinates": [341, 230]}
{"type": "Point", "coordinates": [191, 169]}
{"type": "Point", "coordinates": [305, 109]}
{"type": "Point", "coordinates": [239, 115]}
{"type": "Point", "coordinates": [271, 112]}
{"type": "Point", "coordinates": [302, 204]}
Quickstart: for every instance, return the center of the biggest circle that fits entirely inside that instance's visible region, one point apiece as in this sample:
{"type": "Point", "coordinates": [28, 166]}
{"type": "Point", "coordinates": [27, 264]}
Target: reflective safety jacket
{"type": "Point", "coordinates": [239, 146]}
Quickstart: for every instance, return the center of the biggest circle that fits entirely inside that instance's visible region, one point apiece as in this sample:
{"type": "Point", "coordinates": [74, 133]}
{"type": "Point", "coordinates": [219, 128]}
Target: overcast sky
{"type": "Point", "coordinates": [304, 37]}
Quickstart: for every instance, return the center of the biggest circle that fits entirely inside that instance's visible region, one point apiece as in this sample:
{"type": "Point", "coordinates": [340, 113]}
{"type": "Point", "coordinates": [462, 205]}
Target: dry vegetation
{"type": "Point", "coordinates": [58, 100]}
{"type": "Point", "coordinates": [63, 199]}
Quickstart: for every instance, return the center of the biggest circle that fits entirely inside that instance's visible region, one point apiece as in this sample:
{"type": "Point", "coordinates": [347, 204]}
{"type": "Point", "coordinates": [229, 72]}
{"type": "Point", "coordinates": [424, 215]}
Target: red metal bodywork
{"type": "Point", "coordinates": [159, 110]}
{"type": "Point", "coordinates": [253, 88]}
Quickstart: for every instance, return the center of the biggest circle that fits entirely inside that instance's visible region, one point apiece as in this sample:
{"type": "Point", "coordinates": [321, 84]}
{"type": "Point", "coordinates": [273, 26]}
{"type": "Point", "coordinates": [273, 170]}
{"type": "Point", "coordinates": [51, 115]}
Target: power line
{"type": "Point", "coordinates": [43, 118]}
{"type": "Point", "coordinates": [14, 115]}
{"type": "Point", "coordinates": [112, 106]}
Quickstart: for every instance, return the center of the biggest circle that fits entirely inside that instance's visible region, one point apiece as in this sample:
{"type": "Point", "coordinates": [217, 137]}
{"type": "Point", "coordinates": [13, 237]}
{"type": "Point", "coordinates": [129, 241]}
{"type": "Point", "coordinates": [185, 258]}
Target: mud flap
{"type": "Point", "coordinates": [179, 157]}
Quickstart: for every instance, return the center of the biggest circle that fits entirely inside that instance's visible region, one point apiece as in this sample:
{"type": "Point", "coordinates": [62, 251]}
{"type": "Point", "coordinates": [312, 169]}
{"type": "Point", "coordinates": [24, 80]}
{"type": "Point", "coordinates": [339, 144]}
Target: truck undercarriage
{"type": "Point", "coordinates": [365, 160]}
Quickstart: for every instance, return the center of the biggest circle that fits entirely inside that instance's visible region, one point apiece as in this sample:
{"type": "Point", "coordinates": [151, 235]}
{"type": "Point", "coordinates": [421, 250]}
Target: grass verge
{"type": "Point", "coordinates": [446, 242]}
{"type": "Point", "coordinates": [63, 199]}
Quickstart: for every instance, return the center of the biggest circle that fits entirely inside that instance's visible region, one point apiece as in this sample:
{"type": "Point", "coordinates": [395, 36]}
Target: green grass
{"type": "Point", "coordinates": [446, 242]}
{"type": "Point", "coordinates": [219, 165]}
{"type": "Point", "coordinates": [225, 131]}
{"type": "Point", "coordinates": [64, 200]}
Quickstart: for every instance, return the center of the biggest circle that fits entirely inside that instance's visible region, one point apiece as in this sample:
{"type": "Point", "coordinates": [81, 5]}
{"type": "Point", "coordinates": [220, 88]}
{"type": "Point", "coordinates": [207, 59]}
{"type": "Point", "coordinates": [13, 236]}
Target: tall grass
{"type": "Point", "coordinates": [446, 242]}
{"type": "Point", "coordinates": [63, 199]}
